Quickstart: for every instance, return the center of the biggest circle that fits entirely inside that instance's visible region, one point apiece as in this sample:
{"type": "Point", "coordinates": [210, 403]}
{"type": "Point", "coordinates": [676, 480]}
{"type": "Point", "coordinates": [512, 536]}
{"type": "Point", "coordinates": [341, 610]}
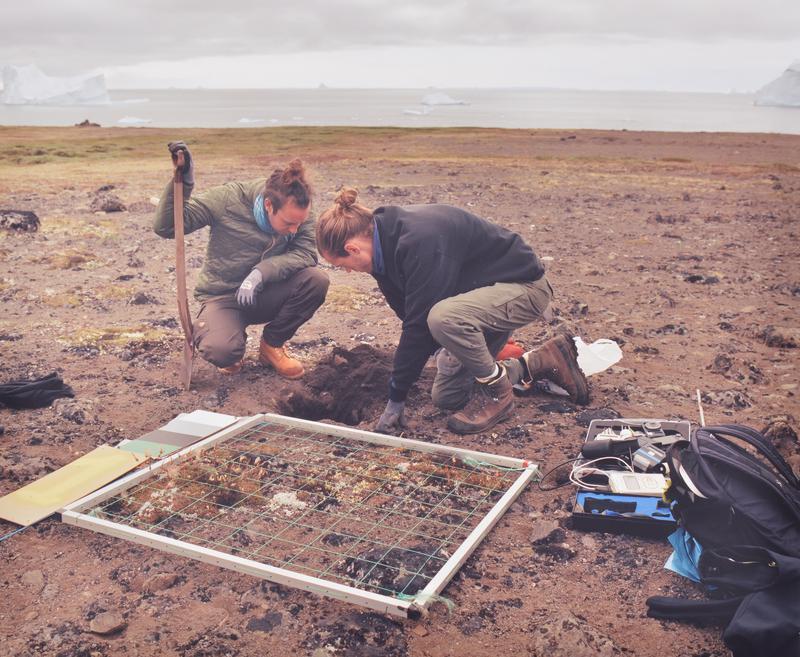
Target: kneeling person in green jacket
{"type": "Point", "coordinates": [260, 264]}
{"type": "Point", "coordinates": [462, 285]}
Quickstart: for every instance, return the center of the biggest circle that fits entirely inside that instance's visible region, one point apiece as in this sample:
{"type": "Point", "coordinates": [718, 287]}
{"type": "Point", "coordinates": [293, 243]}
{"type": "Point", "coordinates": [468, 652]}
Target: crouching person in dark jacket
{"type": "Point", "coordinates": [260, 264]}
{"type": "Point", "coordinates": [462, 285]}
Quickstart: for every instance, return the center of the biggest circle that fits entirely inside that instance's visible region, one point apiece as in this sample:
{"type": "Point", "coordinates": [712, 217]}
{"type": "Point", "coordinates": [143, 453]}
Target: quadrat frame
{"type": "Point", "coordinates": [394, 457]}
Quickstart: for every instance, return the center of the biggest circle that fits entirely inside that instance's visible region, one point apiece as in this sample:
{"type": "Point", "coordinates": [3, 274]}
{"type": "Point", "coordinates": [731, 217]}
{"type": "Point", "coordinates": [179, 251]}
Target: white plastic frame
{"type": "Point", "coordinates": [74, 514]}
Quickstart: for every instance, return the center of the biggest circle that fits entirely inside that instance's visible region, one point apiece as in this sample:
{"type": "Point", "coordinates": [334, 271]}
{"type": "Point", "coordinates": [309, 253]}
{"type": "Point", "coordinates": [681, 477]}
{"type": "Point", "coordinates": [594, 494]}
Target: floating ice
{"type": "Point", "coordinates": [244, 119]}
{"type": "Point", "coordinates": [783, 91]}
{"type": "Point", "coordinates": [441, 98]}
{"type": "Point", "coordinates": [133, 120]}
{"type": "Point", "coordinates": [418, 112]}
{"type": "Point", "coordinates": [27, 85]}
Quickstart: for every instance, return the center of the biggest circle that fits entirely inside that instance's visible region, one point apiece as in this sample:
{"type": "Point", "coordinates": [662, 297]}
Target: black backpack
{"type": "Point", "coordinates": [745, 513]}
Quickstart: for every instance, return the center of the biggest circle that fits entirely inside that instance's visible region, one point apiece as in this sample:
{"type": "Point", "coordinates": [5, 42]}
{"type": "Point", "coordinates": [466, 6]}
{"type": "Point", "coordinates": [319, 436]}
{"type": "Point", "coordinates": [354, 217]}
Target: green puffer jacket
{"type": "Point", "coordinates": [236, 245]}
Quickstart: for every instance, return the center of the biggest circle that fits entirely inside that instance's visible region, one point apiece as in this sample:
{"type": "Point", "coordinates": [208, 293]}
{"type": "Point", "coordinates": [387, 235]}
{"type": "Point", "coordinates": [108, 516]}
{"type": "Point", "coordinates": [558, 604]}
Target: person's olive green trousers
{"type": "Point", "coordinates": [284, 306]}
{"type": "Point", "coordinates": [473, 327]}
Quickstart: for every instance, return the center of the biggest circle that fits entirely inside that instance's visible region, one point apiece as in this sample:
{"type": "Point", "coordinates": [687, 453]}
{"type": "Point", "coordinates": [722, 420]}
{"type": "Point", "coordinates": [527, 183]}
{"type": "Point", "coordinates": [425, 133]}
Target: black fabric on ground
{"type": "Point", "coordinates": [35, 393]}
{"type": "Point", "coordinates": [695, 611]}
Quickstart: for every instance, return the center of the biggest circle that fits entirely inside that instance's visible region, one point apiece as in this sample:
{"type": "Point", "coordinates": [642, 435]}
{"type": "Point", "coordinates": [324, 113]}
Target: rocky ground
{"type": "Point", "coordinates": [681, 247]}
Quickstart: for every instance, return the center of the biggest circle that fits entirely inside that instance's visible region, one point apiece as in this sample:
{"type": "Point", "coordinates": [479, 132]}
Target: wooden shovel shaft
{"type": "Point", "coordinates": [180, 274]}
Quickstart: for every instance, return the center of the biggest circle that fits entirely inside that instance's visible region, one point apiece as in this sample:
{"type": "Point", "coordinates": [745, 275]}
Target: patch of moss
{"type": "Point", "coordinates": [343, 298]}
{"type": "Point", "coordinates": [107, 338]}
{"type": "Point", "coordinates": [114, 292]}
{"type": "Point", "coordinates": [63, 300]}
{"type": "Point", "coordinates": [96, 228]}
{"type": "Point", "coordinates": [71, 259]}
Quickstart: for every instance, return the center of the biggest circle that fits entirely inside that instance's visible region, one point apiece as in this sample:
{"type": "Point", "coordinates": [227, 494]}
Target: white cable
{"type": "Point", "coordinates": [581, 470]}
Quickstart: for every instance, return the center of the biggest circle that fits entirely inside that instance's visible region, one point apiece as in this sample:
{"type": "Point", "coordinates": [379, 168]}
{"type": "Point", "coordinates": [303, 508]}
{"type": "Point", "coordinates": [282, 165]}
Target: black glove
{"type": "Point", "coordinates": [252, 285]}
{"type": "Point", "coordinates": [393, 417]}
{"type": "Point", "coordinates": [188, 162]}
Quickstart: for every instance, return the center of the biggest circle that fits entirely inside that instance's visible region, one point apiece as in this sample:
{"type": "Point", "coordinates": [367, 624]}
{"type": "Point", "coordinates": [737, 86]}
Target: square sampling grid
{"type": "Point", "coordinates": [378, 518]}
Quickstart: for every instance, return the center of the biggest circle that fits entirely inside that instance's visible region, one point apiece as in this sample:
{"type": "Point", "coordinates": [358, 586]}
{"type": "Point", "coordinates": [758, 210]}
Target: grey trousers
{"type": "Point", "coordinates": [473, 327]}
{"type": "Point", "coordinates": [219, 331]}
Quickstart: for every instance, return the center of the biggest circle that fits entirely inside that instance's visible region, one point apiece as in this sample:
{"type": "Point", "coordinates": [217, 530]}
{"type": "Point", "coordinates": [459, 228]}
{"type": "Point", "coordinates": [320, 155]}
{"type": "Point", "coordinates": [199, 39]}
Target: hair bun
{"type": "Point", "coordinates": [346, 197]}
{"type": "Point", "coordinates": [294, 171]}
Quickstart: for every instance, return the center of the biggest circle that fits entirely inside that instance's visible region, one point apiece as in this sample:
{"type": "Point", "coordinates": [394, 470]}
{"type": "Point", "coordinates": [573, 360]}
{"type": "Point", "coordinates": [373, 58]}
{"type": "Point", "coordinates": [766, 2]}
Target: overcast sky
{"type": "Point", "coordinates": [682, 45]}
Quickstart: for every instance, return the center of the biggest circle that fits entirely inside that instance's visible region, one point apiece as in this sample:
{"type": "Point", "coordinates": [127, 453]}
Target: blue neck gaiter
{"type": "Point", "coordinates": [262, 218]}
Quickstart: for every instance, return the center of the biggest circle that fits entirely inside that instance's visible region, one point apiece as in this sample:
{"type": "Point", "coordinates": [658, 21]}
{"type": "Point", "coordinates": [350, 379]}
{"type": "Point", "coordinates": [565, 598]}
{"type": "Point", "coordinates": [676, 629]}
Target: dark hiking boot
{"type": "Point", "coordinates": [490, 403]}
{"type": "Point", "coordinates": [557, 361]}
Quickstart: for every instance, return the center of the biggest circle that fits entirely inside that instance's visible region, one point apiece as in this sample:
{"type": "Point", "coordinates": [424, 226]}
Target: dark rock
{"type": "Point", "coordinates": [19, 220]}
{"type": "Point", "coordinates": [266, 623]}
{"type": "Point", "coordinates": [77, 411]}
{"type": "Point", "coordinates": [142, 298]}
{"type": "Point", "coordinates": [579, 309]}
{"type": "Point", "coordinates": [585, 417]}
{"type": "Point", "coordinates": [721, 365]}
{"type": "Point", "coordinates": [672, 328]}
{"type": "Point", "coordinates": [86, 123]}
{"type": "Point", "coordinates": [217, 643]}
{"type": "Point", "coordinates": [733, 399]}
{"type": "Point", "coordinates": [105, 202]}
{"type": "Point", "coordinates": [166, 322]}
{"type": "Point", "coordinates": [780, 432]}
{"type": "Point", "coordinates": [772, 338]}
{"type": "Point", "coordinates": [471, 625]}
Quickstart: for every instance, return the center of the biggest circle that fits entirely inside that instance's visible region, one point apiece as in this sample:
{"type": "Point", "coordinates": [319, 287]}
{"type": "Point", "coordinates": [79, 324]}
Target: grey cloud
{"type": "Point", "coordinates": [68, 35]}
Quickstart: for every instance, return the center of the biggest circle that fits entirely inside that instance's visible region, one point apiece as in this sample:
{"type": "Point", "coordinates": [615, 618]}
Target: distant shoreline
{"type": "Point", "coordinates": [489, 108]}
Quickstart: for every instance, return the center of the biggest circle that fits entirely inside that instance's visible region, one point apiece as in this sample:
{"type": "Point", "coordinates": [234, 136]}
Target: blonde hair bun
{"type": "Point", "coordinates": [346, 197]}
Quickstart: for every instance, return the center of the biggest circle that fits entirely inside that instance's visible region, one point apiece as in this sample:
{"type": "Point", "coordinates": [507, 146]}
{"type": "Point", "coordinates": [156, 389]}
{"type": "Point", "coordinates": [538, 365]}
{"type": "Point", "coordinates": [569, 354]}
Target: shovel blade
{"type": "Point", "coordinates": [186, 365]}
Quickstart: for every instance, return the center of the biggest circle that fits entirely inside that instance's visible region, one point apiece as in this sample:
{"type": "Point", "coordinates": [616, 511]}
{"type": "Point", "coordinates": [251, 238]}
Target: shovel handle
{"type": "Point", "coordinates": [180, 162]}
{"type": "Point", "coordinates": [180, 273]}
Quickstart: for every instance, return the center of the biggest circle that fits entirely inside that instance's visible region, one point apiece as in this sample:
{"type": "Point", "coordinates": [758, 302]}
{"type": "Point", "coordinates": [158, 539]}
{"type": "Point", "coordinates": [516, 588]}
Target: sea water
{"type": "Point", "coordinates": [491, 108]}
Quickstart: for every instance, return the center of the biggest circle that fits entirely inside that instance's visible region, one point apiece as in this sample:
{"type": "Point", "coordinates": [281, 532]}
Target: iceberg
{"type": "Point", "coordinates": [782, 92]}
{"type": "Point", "coordinates": [418, 112]}
{"type": "Point", "coordinates": [27, 85]}
{"type": "Point", "coordinates": [441, 98]}
{"type": "Point", "coordinates": [132, 120]}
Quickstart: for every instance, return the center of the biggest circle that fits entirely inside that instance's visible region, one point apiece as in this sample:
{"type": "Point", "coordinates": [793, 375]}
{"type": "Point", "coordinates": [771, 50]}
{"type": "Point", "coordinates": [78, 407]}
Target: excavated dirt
{"type": "Point", "coordinates": [683, 248]}
{"type": "Point", "coordinates": [349, 386]}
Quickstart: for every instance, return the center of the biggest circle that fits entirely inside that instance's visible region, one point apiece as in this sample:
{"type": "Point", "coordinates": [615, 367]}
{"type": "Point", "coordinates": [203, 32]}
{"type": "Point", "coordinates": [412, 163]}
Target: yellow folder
{"type": "Point", "coordinates": [54, 491]}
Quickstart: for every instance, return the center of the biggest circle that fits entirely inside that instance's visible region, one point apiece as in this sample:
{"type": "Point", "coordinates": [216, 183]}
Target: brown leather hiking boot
{"type": "Point", "coordinates": [232, 369]}
{"type": "Point", "coordinates": [277, 358]}
{"type": "Point", "coordinates": [490, 403]}
{"type": "Point", "coordinates": [557, 361]}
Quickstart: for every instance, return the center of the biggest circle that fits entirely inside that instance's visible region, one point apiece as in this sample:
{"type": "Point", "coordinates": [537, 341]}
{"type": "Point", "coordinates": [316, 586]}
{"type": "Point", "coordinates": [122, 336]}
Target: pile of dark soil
{"type": "Point", "coordinates": [349, 386]}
